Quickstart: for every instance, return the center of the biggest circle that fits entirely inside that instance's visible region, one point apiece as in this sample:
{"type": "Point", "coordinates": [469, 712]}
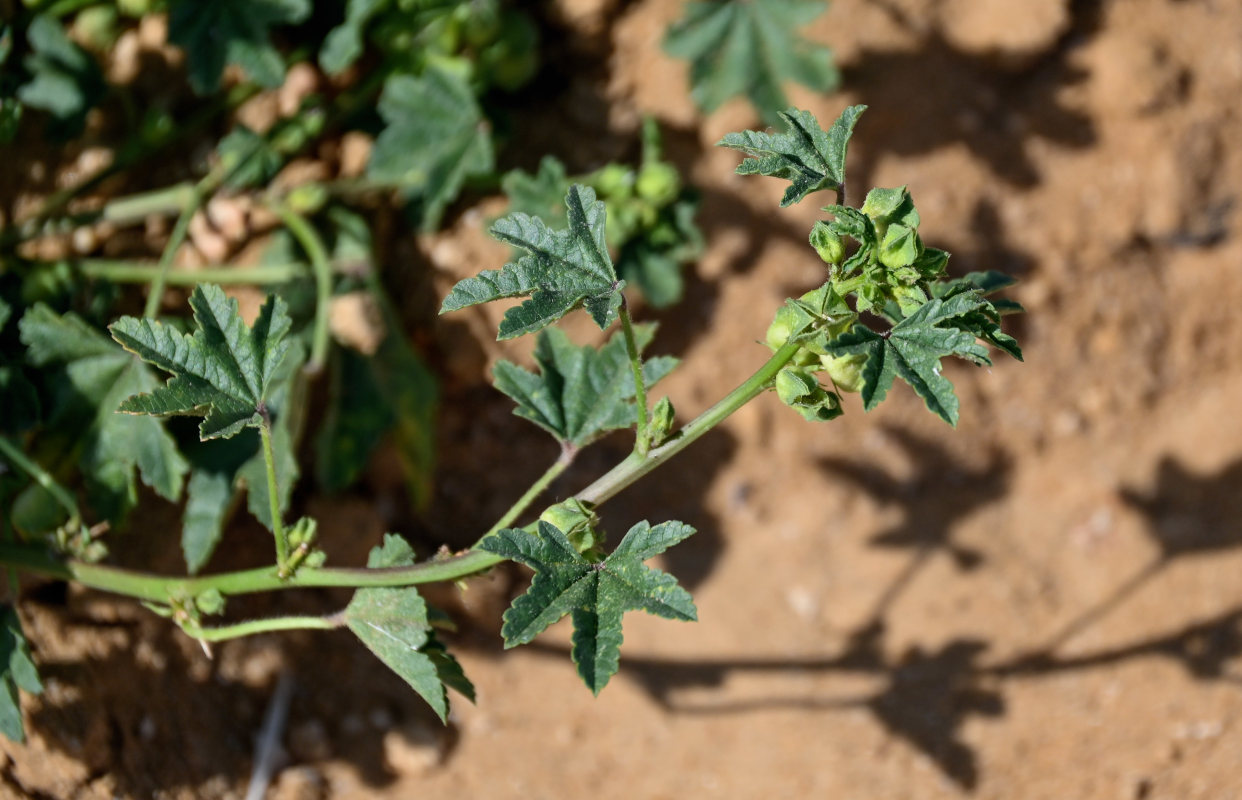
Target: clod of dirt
{"type": "Point", "coordinates": [354, 154]}
{"type": "Point", "coordinates": [1015, 34]}
{"type": "Point", "coordinates": [355, 321]}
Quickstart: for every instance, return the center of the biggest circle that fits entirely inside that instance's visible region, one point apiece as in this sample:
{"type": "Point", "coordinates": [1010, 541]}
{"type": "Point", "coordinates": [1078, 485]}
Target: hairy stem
{"type": "Point", "coordinates": [640, 390]}
{"type": "Point", "coordinates": [273, 496]}
{"type": "Point", "coordinates": [251, 627]}
{"type": "Point", "coordinates": [321, 265]}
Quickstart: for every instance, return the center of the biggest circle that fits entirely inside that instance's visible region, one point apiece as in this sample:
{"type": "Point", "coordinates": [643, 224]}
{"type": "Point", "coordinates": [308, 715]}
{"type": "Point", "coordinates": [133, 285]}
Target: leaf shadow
{"type": "Point", "coordinates": [156, 716]}
{"type": "Point", "coordinates": [994, 111]}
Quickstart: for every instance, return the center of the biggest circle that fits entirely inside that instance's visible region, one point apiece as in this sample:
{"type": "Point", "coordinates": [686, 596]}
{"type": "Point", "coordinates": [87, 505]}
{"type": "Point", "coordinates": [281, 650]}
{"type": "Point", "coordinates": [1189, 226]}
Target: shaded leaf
{"type": "Point", "coordinates": [912, 350]}
{"type": "Point", "coordinates": [223, 371]}
{"type": "Point", "coordinates": [232, 32]}
{"type": "Point", "coordinates": [807, 156]}
{"type": "Point", "coordinates": [343, 44]}
{"type": "Point", "coordinates": [65, 81]}
{"type": "Point", "coordinates": [580, 393]}
{"type": "Point", "coordinates": [393, 624]}
{"type": "Point", "coordinates": [597, 594]}
{"type": "Point", "coordinates": [560, 270]}
{"type": "Point", "coordinates": [435, 137]}
{"type": "Point", "coordinates": [90, 377]}
{"type": "Point", "coordinates": [750, 48]}
{"type": "Point", "coordinates": [17, 671]}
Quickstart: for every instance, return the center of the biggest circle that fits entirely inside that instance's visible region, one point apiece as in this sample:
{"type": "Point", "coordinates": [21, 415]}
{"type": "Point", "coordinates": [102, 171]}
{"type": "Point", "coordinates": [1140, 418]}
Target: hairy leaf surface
{"type": "Point", "coordinates": [559, 271]}
{"type": "Point", "coordinates": [224, 369]}
{"type": "Point", "coordinates": [580, 393]}
{"type": "Point", "coordinates": [393, 624]}
{"type": "Point", "coordinates": [597, 594]}
{"type": "Point", "coordinates": [912, 350]}
{"type": "Point", "coordinates": [436, 136]}
{"type": "Point", "coordinates": [223, 32]}
{"type": "Point", "coordinates": [807, 156]}
{"type": "Point", "coordinates": [750, 48]}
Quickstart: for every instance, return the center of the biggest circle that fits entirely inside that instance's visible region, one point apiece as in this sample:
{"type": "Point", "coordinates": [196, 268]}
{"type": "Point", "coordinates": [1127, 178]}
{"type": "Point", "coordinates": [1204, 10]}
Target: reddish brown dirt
{"type": "Point", "coordinates": [1044, 603]}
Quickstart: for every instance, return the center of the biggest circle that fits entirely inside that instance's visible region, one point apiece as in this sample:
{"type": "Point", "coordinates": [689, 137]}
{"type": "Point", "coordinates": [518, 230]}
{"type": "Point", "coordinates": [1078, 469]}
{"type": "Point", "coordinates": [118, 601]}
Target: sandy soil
{"type": "Point", "coordinates": [1044, 603]}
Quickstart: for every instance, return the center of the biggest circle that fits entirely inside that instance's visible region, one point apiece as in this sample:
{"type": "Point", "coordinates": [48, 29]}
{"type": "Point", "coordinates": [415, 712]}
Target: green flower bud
{"type": "Point", "coordinates": [659, 182]}
{"type": "Point", "coordinates": [827, 243]}
{"type": "Point", "coordinates": [577, 521]}
{"type": "Point", "coordinates": [662, 424]}
{"type": "Point", "coordinates": [845, 371]}
{"type": "Point", "coordinates": [798, 389]}
{"type": "Point", "coordinates": [614, 182]}
{"type": "Point", "coordinates": [210, 602]}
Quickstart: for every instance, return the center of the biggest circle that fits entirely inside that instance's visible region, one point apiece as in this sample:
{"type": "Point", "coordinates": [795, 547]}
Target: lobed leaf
{"type": "Point", "coordinates": [393, 624]}
{"type": "Point", "coordinates": [90, 377]}
{"type": "Point", "coordinates": [912, 350]}
{"type": "Point", "coordinates": [750, 48]}
{"type": "Point", "coordinates": [222, 32]}
{"type": "Point", "coordinates": [807, 156]}
{"type": "Point", "coordinates": [223, 371]}
{"type": "Point", "coordinates": [435, 136]}
{"type": "Point", "coordinates": [580, 393]}
{"type": "Point", "coordinates": [597, 594]}
{"type": "Point", "coordinates": [559, 271]}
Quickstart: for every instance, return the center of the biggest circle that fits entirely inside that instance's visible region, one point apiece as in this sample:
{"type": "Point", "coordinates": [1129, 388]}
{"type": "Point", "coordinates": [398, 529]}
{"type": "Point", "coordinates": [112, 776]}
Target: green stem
{"type": "Point", "coordinates": [179, 231]}
{"type": "Point", "coordinates": [641, 444]}
{"type": "Point", "coordinates": [321, 265]}
{"type": "Point", "coordinates": [568, 452]}
{"type": "Point", "coordinates": [638, 465]}
{"type": "Point", "coordinates": [253, 626]}
{"type": "Point", "coordinates": [273, 496]}
{"type": "Point", "coordinates": [132, 272]}
{"type": "Point", "coordinates": [155, 588]}
{"type": "Point", "coordinates": [41, 476]}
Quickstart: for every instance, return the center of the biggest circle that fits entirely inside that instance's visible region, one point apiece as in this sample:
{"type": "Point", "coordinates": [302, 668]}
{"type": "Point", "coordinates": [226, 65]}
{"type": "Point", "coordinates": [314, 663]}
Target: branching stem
{"type": "Point", "coordinates": [133, 272]}
{"type": "Point", "coordinates": [182, 227]}
{"type": "Point", "coordinates": [156, 588]}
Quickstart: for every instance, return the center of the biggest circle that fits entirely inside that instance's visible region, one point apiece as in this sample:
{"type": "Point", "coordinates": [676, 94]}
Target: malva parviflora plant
{"type": "Point", "coordinates": [886, 310]}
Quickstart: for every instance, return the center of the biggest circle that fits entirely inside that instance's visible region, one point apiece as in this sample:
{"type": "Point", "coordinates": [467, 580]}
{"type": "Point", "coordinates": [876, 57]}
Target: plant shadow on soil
{"type": "Point", "coordinates": [977, 99]}
{"type": "Point", "coordinates": [927, 695]}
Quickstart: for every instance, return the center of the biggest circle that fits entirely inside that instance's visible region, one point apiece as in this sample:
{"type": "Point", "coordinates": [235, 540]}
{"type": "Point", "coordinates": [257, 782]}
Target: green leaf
{"type": "Point", "coordinates": [540, 195]}
{"type": "Point", "coordinates": [393, 624]}
{"type": "Point", "coordinates": [912, 350]}
{"type": "Point", "coordinates": [750, 48]}
{"type": "Point", "coordinates": [91, 379]}
{"type": "Point", "coordinates": [17, 671]}
{"type": "Point", "coordinates": [435, 137]}
{"type": "Point", "coordinates": [580, 393]}
{"type": "Point", "coordinates": [392, 391]}
{"type": "Point", "coordinates": [597, 593]}
{"type": "Point", "coordinates": [232, 32]}
{"type": "Point", "coordinates": [248, 159]}
{"type": "Point", "coordinates": [207, 498]}
{"type": "Point", "coordinates": [560, 271]}
{"type": "Point", "coordinates": [807, 156]}
{"type": "Point", "coordinates": [224, 370]}
{"type": "Point", "coordinates": [343, 44]}
{"type": "Point", "coordinates": [66, 81]}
